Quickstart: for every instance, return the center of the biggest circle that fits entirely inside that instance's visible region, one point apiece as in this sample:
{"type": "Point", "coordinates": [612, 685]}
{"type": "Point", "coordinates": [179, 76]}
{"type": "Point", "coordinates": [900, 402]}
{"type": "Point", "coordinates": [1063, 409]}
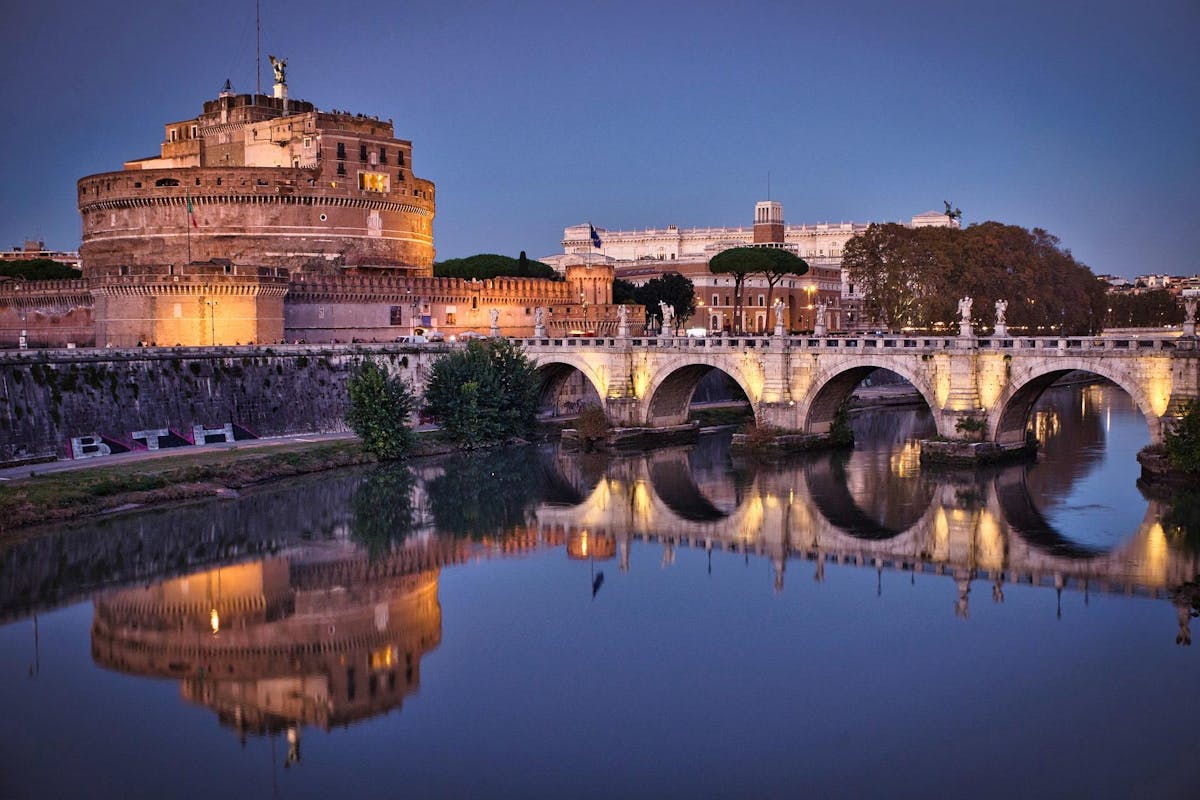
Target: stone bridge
{"type": "Point", "coordinates": [799, 383]}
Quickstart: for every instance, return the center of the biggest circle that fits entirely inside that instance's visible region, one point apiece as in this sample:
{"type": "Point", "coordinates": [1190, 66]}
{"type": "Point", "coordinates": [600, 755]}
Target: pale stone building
{"type": "Point", "coordinates": [641, 254]}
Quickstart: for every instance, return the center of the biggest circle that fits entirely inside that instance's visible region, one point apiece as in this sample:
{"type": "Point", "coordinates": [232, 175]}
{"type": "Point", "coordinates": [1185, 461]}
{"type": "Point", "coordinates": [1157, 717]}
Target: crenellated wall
{"type": "Point", "coordinates": [51, 313]}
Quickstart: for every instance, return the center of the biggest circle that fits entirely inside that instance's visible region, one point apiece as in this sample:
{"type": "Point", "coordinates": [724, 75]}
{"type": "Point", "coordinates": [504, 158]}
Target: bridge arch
{"type": "Point", "coordinates": [670, 390]}
{"type": "Point", "coordinates": [555, 373]}
{"type": "Point", "coordinates": [833, 384]}
{"type": "Point", "coordinates": [1009, 416]}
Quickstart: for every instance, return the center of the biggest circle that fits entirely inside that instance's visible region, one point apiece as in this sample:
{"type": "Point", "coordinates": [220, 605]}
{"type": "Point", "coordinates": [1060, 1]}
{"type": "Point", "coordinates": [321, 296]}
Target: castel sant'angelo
{"type": "Point", "coordinates": [263, 220]}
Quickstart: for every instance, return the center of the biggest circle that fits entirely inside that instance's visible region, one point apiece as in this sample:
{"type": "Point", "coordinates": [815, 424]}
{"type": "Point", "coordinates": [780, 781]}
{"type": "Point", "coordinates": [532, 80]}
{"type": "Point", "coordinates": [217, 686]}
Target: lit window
{"type": "Point", "coordinates": [373, 182]}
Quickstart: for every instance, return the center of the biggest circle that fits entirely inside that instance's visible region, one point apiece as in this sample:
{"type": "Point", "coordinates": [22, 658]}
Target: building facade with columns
{"type": "Point", "coordinates": [641, 254]}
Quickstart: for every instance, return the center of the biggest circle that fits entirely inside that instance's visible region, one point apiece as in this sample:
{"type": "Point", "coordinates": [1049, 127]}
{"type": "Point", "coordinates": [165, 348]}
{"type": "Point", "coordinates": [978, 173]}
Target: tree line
{"type": "Point", "coordinates": [913, 278]}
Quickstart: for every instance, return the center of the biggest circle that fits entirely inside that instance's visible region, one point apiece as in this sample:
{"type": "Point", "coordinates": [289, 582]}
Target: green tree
{"type": "Point", "coordinates": [39, 269]}
{"type": "Point", "coordinates": [914, 277]}
{"type": "Point", "coordinates": [1152, 309]}
{"type": "Point", "coordinates": [742, 261]}
{"type": "Point", "coordinates": [624, 292]}
{"type": "Point", "coordinates": [672, 289]}
{"type": "Point", "coordinates": [491, 265]}
{"type": "Point", "coordinates": [380, 406]}
{"type": "Point", "coordinates": [1183, 441]}
{"type": "Point", "coordinates": [484, 393]}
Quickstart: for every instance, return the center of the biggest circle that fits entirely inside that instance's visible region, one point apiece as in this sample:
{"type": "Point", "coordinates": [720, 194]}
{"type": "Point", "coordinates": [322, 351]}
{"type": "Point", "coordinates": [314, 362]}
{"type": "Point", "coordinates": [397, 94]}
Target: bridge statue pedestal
{"type": "Point", "coordinates": [820, 330]}
{"type": "Point", "coordinates": [1001, 331]}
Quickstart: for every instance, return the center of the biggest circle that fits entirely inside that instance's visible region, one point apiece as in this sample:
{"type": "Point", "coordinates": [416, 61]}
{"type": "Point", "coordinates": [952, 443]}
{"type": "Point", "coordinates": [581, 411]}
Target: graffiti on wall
{"type": "Point", "coordinates": [97, 444]}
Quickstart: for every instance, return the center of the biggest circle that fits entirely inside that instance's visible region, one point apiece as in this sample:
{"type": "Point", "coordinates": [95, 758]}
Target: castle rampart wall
{"type": "Point", "coordinates": [51, 313]}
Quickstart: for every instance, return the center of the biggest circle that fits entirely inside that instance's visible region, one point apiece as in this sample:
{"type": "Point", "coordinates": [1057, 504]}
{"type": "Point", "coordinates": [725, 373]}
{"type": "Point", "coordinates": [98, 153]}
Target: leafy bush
{"type": "Point", "coordinates": [1183, 441]}
{"type": "Point", "coordinates": [592, 424]}
{"type": "Point", "coordinates": [484, 393]}
{"type": "Point", "coordinates": [380, 406]}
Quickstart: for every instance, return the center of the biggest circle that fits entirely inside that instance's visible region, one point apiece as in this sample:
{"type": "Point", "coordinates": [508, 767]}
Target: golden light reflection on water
{"type": "Point", "coordinates": [906, 462]}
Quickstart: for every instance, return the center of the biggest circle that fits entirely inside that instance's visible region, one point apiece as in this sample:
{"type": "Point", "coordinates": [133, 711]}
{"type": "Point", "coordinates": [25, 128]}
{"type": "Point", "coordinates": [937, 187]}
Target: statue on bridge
{"type": "Point", "coordinates": [622, 321]}
{"type": "Point", "coordinates": [819, 326]}
{"type": "Point", "coordinates": [1189, 322]}
{"type": "Point", "coordinates": [668, 316]}
{"type": "Point", "coordinates": [1001, 328]}
{"type": "Point", "coordinates": [964, 313]}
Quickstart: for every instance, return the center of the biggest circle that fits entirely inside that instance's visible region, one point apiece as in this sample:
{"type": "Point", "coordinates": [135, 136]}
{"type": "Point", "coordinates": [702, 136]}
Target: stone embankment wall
{"type": "Point", "coordinates": [48, 397]}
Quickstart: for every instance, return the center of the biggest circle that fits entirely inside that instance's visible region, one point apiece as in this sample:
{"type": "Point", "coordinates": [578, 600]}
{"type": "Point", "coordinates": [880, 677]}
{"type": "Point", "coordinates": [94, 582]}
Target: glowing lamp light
{"type": "Point", "coordinates": [214, 622]}
{"type": "Point", "coordinates": [582, 546]}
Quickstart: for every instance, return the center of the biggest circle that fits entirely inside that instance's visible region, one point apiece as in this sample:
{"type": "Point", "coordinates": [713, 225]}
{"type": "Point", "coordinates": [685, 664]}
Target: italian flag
{"type": "Point", "coordinates": [191, 214]}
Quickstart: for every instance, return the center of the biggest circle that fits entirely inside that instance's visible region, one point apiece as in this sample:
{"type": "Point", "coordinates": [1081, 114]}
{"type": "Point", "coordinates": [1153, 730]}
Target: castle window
{"type": "Point", "coordinates": [166, 182]}
{"type": "Point", "coordinates": [307, 142]}
{"type": "Point", "coordinates": [218, 181]}
{"type": "Point", "coordinates": [195, 131]}
{"type": "Point", "coordinates": [341, 150]}
{"type": "Point", "coordinates": [382, 155]}
{"type": "Point", "coordinates": [171, 135]}
{"type": "Point", "coordinates": [400, 158]}
{"type": "Point", "coordinates": [362, 152]}
{"type": "Point", "coordinates": [396, 315]}
{"type": "Point", "coordinates": [373, 182]}
{"type": "Point", "coordinates": [400, 174]}
{"type": "Point", "coordinates": [341, 168]}
{"type": "Point", "coordinates": [197, 181]}
{"type": "Point", "coordinates": [137, 184]}
{"type": "Point", "coordinates": [716, 300]}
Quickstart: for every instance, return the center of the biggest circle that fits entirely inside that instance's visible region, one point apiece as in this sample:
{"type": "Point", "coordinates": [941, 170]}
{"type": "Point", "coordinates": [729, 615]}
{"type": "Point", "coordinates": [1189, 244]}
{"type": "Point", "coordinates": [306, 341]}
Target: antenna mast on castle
{"type": "Point", "coordinates": [258, 46]}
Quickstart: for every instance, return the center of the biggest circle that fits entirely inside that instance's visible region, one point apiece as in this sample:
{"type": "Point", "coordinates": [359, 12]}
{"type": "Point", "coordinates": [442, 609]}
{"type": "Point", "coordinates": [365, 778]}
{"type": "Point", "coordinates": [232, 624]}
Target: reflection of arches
{"type": "Point", "coordinates": [836, 385]}
{"type": "Point", "coordinates": [1010, 415]}
{"type": "Point", "coordinates": [554, 376]}
{"type": "Point", "coordinates": [1027, 521]}
{"type": "Point", "coordinates": [671, 394]}
{"type": "Point", "coordinates": [673, 483]}
{"type": "Point", "coordinates": [830, 493]}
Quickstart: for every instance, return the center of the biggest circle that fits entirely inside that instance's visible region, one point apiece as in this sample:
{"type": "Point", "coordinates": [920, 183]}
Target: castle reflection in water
{"type": "Point", "coordinates": [330, 627]}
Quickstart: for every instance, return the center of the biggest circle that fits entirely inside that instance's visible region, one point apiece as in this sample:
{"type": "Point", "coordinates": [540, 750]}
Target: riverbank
{"type": "Point", "coordinates": [93, 490]}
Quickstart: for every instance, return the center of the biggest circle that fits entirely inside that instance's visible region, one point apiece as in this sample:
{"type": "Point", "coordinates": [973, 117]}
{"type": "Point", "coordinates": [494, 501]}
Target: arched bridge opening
{"type": "Point", "coordinates": [878, 385]}
{"type": "Point", "coordinates": [565, 391]}
{"type": "Point", "coordinates": [672, 400]}
{"type": "Point", "coordinates": [1016, 415]}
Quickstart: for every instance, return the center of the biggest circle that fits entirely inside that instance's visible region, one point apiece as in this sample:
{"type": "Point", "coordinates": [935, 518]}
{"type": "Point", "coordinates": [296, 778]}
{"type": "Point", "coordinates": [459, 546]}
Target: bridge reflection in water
{"type": "Point", "coordinates": [325, 634]}
{"type": "Point", "coordinates": [976, 526]}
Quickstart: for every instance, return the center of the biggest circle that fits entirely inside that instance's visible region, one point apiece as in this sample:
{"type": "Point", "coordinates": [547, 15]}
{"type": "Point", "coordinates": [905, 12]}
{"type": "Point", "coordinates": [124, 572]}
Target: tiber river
{"type": "Point", "coordinates": [674, 624]}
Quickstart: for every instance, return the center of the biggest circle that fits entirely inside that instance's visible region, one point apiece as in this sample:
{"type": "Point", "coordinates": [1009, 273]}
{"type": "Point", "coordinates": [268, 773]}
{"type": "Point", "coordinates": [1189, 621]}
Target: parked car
{"type": "Point", "coordinates": [436, 336]}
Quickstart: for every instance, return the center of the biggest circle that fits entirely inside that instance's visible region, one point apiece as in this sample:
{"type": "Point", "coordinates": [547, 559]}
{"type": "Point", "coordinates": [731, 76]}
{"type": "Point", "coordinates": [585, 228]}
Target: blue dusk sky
{"type": "Point", "coordinates": [1078, 117]}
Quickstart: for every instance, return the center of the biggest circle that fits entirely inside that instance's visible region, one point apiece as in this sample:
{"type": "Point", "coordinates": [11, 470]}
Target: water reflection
{"type": "Point", "coordinates": [311, 604]}
{"type": "Point", "coordinates": [322, 636]}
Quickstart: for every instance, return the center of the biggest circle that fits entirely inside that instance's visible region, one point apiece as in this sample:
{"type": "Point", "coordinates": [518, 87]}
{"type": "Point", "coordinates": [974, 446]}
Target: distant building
{"type": "Point", "coordinates": [639, 255]}
{"type": "Point", "coordinates": [35, 248]}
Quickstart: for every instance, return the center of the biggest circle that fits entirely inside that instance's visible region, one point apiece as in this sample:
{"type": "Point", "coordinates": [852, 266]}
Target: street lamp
{"type": "Point", "coordinates": [212, 314]}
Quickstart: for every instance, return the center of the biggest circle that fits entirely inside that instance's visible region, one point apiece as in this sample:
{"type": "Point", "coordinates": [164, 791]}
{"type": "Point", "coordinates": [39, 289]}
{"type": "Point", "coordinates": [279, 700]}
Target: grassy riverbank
{"type": "Point", "coordinates": [99, 489]}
